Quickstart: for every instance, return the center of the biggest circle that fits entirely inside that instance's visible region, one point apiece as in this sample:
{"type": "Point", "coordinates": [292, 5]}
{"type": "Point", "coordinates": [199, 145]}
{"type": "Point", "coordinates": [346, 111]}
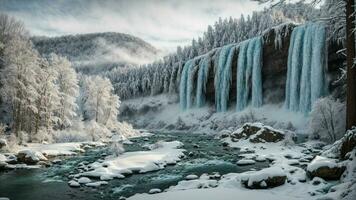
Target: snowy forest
{"type": "Point", "coordinates": [257, 103]}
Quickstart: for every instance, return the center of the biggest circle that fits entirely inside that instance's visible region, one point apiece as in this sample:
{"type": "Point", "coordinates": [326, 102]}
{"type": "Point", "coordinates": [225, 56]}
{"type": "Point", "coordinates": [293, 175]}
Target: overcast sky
{"type": "Point", "coordinates": [164, 24]}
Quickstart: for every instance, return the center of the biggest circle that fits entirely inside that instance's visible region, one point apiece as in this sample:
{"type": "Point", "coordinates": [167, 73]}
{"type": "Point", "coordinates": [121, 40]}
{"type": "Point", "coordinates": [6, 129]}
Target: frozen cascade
{"type": "Point", "coordinates": [222, 79]}
{"type": "Point", "coordinates": [183, 84]}
{"type": "Point", "coordinates": [204, 67]}
{"type": "Point", "coordinates": [307, 63]}
{"type": "Point", "coordinates": [249, 68]}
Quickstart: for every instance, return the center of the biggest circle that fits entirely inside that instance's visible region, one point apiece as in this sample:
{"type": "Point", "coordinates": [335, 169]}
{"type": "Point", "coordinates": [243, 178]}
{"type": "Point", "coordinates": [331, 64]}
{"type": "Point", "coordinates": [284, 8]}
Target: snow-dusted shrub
{"type": "Point", "coordinates": [327, 120]}
{"type": "Point", "coordinates": [12, 143]}
{"type": "Point", "coordinates": [248, 117]}
{"type": "Point", "coordinates": [96, 131]}
{"type": "Point", "coordinates": [76, 133]}
{"type": "Point", "coordinates": [125, 129]}
{"type": "Point", "coordinates": [22, 137]}
{"type": "Point", "coordinates": [43, 135]}
{"type": "Point", "coordinates": [117, 148]}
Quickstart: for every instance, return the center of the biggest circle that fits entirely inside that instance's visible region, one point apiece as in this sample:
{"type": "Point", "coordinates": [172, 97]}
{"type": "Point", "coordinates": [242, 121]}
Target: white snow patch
{"type": "Point", "coordinates": [245, 162]}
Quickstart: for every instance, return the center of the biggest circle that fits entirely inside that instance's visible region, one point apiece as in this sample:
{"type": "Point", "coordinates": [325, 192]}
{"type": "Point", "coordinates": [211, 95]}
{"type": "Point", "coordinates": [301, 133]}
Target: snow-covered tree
{"type": "Point", "coordinates": [68, 88]}
{"type": "Point", "coordinates": [20, 84]}
{"type": "Point", "coordinates": [100, 104]}
{"type": "Point", "coordinates": [47, 101]}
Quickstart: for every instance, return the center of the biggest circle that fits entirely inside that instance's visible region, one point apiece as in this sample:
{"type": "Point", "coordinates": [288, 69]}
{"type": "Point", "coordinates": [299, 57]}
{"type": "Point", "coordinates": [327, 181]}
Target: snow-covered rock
{"type": "Point", "coordinates": [3, 143]}
{"type": "Point", "coordinates": [30, 157]}
{"type": "Point", "coordinates": [261, 158]}
{"type": "Point", "coordinates": [257, 133]}
{"type": "Point", "coordinates": [84, 180]}
{"type": "Point", "coordinates": [155, 191]}
{"type": "Point", "coordinates": [73, 183]}
{"type": "Point", "coordinates": [191, 177]}
{"type": "Point", "coordinates": [245, 162]}
{"type": "Point", "coordinates": [325, 168]}
{"type": "Point", "coordinates": [265, 178]}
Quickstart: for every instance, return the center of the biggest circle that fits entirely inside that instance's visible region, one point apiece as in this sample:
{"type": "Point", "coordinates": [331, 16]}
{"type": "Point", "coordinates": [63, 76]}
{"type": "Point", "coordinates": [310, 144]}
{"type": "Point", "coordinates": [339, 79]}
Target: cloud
{"type": "Point", "coordinates": [165, 24]}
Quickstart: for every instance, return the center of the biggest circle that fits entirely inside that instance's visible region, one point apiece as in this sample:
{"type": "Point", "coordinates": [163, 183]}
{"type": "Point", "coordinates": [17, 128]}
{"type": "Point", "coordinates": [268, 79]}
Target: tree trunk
{"type": "Point", "coordinates": [351, 71]}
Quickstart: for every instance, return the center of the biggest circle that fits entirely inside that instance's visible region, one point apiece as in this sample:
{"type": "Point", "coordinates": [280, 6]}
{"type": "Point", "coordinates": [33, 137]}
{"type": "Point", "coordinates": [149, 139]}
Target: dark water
{"type": "Point", "coordinates": [51, 183]}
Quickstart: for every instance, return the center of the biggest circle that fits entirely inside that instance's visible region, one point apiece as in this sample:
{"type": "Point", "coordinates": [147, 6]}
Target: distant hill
{"type": "Point", "coordinates": [95, 52]}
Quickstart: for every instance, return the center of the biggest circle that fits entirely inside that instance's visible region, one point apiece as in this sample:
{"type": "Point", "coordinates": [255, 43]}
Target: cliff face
{"type": "Point", "coordinates": [274, 70]}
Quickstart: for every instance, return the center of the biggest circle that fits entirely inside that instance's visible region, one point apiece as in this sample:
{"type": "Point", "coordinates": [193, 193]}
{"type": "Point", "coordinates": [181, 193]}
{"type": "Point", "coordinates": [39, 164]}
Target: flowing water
{"type": "Point", "coordinates": [208, 156]}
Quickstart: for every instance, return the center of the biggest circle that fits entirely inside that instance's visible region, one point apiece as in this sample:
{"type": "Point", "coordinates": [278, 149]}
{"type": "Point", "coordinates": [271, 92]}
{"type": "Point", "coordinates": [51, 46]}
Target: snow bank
{"type": "Point", "coordinates": [138, 161]}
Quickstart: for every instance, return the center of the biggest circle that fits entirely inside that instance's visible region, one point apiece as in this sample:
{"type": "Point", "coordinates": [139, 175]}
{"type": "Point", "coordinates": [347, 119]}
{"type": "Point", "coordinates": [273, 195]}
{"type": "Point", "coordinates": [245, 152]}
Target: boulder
{"type": "Point", "coordinates": [325, 168]}
{"type": "Point", "coordinates": [257, 133]}
{"type": "Point", "coordinates": [224, 134]}
{"type": "Point", "coordinates": [73, 183]}
{"type": "Point", "coordinates": [30, 157]}
{"type": "Point", "coordinates": [3, 165]}
{"type": "Point", "coordinates": [84, 180]}
{"type": "Point", "coordinates": [3, 143]}
{"type": "Point", "coordinates": [265, 178]}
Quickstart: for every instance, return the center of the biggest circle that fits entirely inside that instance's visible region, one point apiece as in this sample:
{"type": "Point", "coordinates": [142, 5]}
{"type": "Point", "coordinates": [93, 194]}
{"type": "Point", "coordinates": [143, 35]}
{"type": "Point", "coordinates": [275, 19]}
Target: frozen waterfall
{"type": "Point", "coordinates": [249, 68]}
{"type": "Point", "coordinates": [222, 80]}
{"type": "Point", "coordinates": [183, 87]}
{"type": "Point", "coordinates": [204, 67]}
{"type": "Point", "coordinates": [307, 62]}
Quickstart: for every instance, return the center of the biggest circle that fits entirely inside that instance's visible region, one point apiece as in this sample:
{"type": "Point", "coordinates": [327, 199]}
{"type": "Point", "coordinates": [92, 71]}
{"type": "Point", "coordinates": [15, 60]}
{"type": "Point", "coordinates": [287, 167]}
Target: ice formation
{"type": "Point", "coordinates": [249, 68]}
{"type": "Point", "coordinates": [307, 62]}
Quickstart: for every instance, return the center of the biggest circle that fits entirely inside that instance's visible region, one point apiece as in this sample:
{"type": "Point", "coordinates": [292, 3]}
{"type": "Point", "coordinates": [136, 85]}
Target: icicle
{"type": "Point", "coordinates": [307, 61]}
{"type": "Point", "coordinates": [222, 79]}
{"type": "Point", "coordinates": [249, 68]}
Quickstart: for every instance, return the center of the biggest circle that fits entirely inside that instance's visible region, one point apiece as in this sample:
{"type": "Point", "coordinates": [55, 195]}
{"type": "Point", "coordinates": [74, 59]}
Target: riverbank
{"type": "Point", "coordinates": [209, 167]}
